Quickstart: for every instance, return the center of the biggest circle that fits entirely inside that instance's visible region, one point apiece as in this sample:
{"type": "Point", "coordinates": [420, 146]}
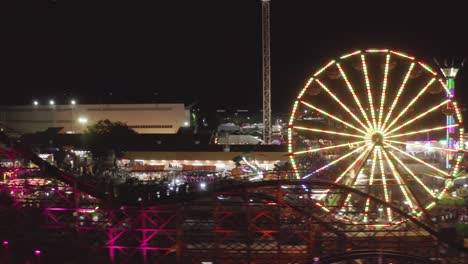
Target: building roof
{"type": "Point", "coordinates": [184, 140]}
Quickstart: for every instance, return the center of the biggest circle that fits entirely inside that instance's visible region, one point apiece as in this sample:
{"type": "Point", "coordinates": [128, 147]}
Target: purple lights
{"type": "Point", "coordinates": [6, 243]}
{"type": "Point", "coordinates": [37, 252]}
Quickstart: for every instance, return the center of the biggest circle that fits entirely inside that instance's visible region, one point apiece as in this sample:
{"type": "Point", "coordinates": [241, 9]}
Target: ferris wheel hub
{"type": "Point", "coordinates": [377, 138]}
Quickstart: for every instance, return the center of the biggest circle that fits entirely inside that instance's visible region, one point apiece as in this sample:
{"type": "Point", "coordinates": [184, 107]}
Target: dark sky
{"type": "Point", "coordinates": [205, 51]}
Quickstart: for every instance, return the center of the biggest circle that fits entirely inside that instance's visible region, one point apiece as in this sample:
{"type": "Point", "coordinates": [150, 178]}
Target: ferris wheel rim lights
{"type": "Point", "coordinates": [373, 125]}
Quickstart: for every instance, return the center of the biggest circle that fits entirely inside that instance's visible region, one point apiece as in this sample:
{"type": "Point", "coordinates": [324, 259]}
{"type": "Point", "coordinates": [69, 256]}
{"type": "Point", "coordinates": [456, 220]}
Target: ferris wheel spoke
{"type": "Point", "coordinates": [347, 170]}
{"type": "Point", "coordinates": [369, 90]}
{"type": "Point", "coordinates": [447, 90]}
{"type": "Point", "coordinates": [355, 178]}
{"type": "Point", "coordinates": [397, 97]}
{"type": "Point", "coordinates": [364, 159]}
{"type": "Point", "coordinates": [327, 132]}
{"type": "Point", "coordinates": [332, 116]}
{"type": "Point", "coordinates": [384, 90]}
{"type": "Point", "coordinates": [430, 110]}
{"type": "Point", "coordinates": [332, 95]}
{"type": "Point", "coordinates": [417, 159]}
{"type": "Point", "coordinates": [384, 183]}
{"type": "Point", "coordinates": [421, 131]}
{"type": "Point", "coordinates": [353, 93]}
{"type": "Point", "coordinates": [416, 98]}
{"type": "Point", "coordinates": [370, 183]}
{"type": "Point", "coordinates": [410, 172]}
{"type": "Point", "coordinates": [329, 147]}
{"type": "Point", "coordinates": [336, 161]}
{"type": "Point", "coordinates": [419, 145]}
{"type": "Point", "coordinates": [401, 183]}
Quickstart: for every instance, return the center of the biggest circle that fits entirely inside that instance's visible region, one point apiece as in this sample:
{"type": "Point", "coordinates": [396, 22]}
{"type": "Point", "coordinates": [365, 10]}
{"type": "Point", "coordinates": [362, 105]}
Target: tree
{"type": "Point", "coordinates": [107, 138]}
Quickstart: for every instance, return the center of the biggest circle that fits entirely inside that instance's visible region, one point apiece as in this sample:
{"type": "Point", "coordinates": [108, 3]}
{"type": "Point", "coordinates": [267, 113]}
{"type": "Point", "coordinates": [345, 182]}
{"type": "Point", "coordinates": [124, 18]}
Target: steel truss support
{"type": "Point", "coordinates": [261, 223]}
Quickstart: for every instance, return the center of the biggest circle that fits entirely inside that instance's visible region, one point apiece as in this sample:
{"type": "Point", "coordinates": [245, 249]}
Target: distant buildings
{"type": "Point", "coordinates": [74, 118]}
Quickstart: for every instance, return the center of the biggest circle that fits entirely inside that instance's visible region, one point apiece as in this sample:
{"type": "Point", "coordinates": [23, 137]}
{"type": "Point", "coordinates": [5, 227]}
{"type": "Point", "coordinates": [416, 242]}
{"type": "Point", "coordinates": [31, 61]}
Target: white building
{"type": "Point", "coordinates": [74, 118]}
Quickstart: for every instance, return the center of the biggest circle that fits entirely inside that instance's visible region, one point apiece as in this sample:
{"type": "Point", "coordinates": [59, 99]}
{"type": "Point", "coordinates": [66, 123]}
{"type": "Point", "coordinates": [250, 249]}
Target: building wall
{"type": "Point", "coordinates": [143, 118]}
{"type": "Point", "coordinates": [222, 160]}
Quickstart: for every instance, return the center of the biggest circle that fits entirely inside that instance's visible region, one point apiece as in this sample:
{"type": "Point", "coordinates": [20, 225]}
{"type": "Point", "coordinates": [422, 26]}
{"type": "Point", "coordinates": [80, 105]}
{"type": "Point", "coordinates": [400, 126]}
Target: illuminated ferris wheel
{"type": "Point", "coordinates": [377, 120]}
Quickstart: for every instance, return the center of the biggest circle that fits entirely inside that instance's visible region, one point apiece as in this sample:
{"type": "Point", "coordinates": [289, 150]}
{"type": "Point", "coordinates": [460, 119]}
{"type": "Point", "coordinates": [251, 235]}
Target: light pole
{"type": "Point", "coordinates": [72, 103]}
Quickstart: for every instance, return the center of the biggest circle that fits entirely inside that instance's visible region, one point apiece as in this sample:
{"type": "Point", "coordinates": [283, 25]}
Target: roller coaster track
{"type": "Point", "coordinates": [26, 153]}
{"type": "Point", "coordinates": [372, 254]}
{"type": "Point", "coordinates": [237, 188]}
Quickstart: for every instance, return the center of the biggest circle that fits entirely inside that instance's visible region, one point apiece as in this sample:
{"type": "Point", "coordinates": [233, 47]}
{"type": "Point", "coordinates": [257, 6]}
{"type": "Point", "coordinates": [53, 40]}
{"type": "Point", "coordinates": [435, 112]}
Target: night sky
{"type": "Point", "coordinates": [200, 51]}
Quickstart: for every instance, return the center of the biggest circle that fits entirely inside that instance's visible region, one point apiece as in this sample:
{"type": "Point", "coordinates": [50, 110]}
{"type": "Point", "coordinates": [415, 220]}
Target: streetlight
{"type": "Point", "coordinates": [73, 102]}
{"type": "Point", "coordinates": [35, 103]}
{"type": "Point", "coordinates": [51, 102]}
{"type": "Point", "coordinates": [82, 121]}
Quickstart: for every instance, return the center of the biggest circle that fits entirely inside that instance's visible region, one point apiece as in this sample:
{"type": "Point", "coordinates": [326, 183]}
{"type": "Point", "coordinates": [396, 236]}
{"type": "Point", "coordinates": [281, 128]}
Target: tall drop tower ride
{"type": "Point", "coordinates": [266, 71]}
{"type": "Point", "coordinates": [450, 70]}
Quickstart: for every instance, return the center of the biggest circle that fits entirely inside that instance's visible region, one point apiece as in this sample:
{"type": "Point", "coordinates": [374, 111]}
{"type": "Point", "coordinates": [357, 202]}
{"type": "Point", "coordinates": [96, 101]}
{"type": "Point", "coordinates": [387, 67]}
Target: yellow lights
{"type": "Point", "coordinates": [296, 103]}
{"type": "Point", "coordinates": [430, 205]}
{"type": "Point", "coordinates": [367, 135]}
{"type": "Point", "coordinates": [417, 159]}
{"type": "Point", "coordinates": [432, 109]}
{"type": "Point", "coordinates": [384, 183]}
{"type": "Point", "coordinates": [322, 207]}
{"type": "Point", "coordinates": [293, 163]}
{"type": "Point", "coordinates": [421, 131]}
{"type": "Point", "coordinates": [350, 54]}
{"type": "Point", "coordinates": [377, 50]}
{"type": "Point", "coordinates": [369, 91]}
{"type": "Point", "coordinates": [327, 132]}
{"type": "Point", "coordinates": [337, 160]}
{"type": "Point", "coordinates": [418, 180]}
{"type": "Point", "coordinates": [332, 116]}
{"type": "Point", "coordinates": [305, 88]}
{"type": "Point", "coordinates": [324, 68]}
{"type": "Point", "coordinates": [447, 90]}
{"type": "Point", "coordinates": [398, 179]}
{"type": "Point", "coordinates": [457, 112]}
{"type": "Point", "coordinates": [384, 89]}
{"type": "Point", "coordinates": [461, 142]}
{"type": "Point", "coordinates": [397, 97]}
{"type": "Point", "coordinates": [325, 148]}
{"type": "Point", "coordinates": [356, 99]}
{"type": "Point", "coordinates": [342, 105]}
{"type": "Point", "coordinates": [458, 160]}
{"type": "Point", "coordinates": [289, 140]}
{"type": "Point", "coordinates": [413, 144]}
{"type": "Point", "coordinates": [351, 166]}
{"type": "Point", "coordinates": [402, 55]}
{"type": "Point", "coordinates": [346, 171]}
{"type": "Point", "coordinates": [427, 68]}
{"type": "Point", "coordinates": [410, 104]}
